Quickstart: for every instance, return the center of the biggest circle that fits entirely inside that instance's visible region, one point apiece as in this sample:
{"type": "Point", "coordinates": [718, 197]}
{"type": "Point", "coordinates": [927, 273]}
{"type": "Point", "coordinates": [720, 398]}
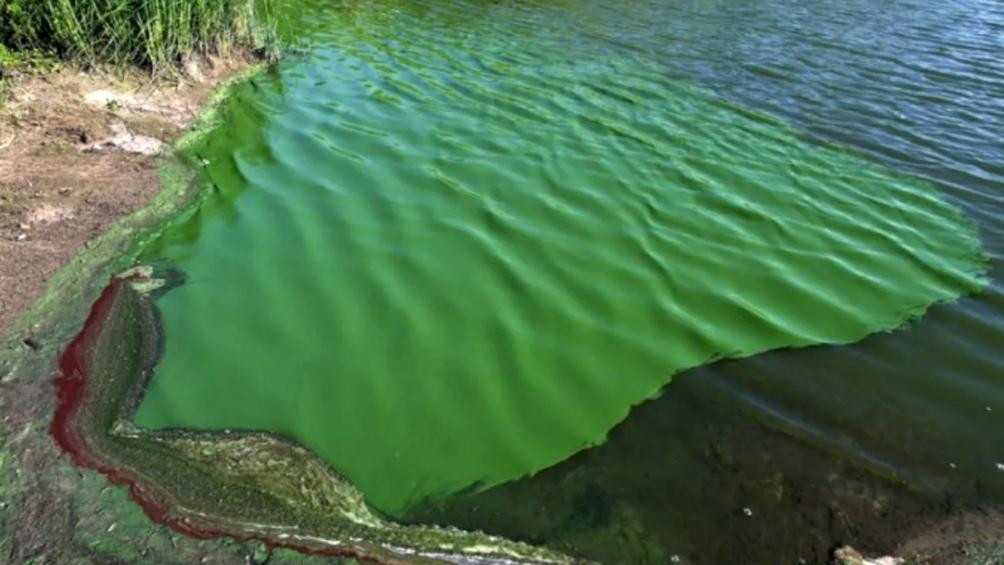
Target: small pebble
{"type": "Point", "coordinates": [22, 237]}
{"type": "Point", "coordinates": [748, 511]}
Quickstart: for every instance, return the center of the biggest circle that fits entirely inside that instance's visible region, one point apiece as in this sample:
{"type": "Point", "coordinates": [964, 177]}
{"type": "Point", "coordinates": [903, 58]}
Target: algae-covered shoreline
{"type": "Point", "coordinates": [49, 512]}
{"type": "Point", "coordinates": [234, 488]}
{"type": "Point", "coordinates": [249, 498]}
{"type": "Point", "coordinates": [32, 500]}
{"type": "Point", "coordinates": [245, 485]}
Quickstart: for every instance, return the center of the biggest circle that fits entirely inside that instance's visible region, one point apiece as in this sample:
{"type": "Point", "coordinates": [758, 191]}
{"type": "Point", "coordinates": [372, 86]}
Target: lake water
{"type": "Point", "coordinates": [453, 246]}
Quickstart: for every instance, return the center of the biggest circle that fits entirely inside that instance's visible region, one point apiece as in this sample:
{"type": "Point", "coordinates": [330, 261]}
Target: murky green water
{"type": "Point", "coordinates": [451, 244]}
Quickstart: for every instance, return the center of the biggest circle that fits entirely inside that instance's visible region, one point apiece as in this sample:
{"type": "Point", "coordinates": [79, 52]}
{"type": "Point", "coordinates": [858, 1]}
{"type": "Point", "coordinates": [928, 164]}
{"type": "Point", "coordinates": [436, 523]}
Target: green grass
{"type": "Point", "coordinates": [150, 33]}
{"type": "Point", "coordinates": [14, 63]}
{"type": "Point", "coordinates": [8, 62]}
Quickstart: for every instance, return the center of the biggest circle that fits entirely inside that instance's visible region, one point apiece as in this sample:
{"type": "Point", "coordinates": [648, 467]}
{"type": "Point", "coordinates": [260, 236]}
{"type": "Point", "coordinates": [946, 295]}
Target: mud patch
{"type": "Point", "coordinates": [76, 154]}
{"type": "Point", "coordinates": [122, 138]}
{"type": "Point", "coordinates": [47, 214]}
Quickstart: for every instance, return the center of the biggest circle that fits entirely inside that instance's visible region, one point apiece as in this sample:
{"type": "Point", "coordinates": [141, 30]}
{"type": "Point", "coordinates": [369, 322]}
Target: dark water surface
{"type": "Point", "coordinates": [451, 244]}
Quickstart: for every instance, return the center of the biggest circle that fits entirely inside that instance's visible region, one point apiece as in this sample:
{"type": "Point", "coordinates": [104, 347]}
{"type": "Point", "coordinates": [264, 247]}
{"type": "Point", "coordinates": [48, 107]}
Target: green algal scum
{"type": "Point", "coordinates": [446, 255]}
{"type": "Point", "coordinates": [241, 484]}
{"type": "Point", "coordinates": [248, 486]}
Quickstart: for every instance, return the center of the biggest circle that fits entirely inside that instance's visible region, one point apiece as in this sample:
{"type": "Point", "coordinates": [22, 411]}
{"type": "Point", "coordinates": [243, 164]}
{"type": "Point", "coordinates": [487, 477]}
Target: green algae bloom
{"type": "Point", "coordinates": [450, 265]}
{"type": "Point", "coordinates": [244, 485]}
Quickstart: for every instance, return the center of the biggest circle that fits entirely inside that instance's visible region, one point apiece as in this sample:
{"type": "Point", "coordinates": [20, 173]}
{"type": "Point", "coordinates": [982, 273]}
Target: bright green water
{"type": "Point", "coordinates": [448, 245]}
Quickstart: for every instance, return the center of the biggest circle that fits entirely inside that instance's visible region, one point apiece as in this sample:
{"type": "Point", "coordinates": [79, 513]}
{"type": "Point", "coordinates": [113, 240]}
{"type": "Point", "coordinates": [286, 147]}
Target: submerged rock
{"type": "Point", "coordinates": [849, 556]}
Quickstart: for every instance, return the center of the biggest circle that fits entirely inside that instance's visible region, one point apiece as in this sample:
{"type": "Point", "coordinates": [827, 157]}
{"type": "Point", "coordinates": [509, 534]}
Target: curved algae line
{"type": "Point", "coordinates": [243, 485]}
{"type": "Point", "coordinates": [160, 483]}
{"type": "Point", "coordinates": [54, 318]}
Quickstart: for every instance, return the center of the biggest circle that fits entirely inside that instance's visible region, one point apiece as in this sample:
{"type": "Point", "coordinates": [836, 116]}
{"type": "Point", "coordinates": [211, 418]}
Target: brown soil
{"type": "Point", "coordinates": [75, 157]}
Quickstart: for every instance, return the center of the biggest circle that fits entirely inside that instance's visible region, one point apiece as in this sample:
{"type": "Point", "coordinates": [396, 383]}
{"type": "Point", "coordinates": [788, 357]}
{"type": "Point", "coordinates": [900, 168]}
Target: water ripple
{"type": "Point", "coordinates": [457, 242]}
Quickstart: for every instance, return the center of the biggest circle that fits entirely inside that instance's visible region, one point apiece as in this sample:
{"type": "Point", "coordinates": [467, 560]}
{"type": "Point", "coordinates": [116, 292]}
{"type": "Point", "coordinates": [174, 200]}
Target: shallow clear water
{"type": "Point", "coordinates": [449, 244]}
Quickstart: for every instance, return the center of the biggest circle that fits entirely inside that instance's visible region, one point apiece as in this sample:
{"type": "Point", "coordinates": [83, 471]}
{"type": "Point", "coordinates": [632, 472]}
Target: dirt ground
{"type": "Point", "coordinates": [76, 154]}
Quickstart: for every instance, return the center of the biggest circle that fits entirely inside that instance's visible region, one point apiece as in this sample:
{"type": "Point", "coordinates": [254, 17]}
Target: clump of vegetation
{"type": "Point", "coordinates": [15, 63]}
{"type": "Point", "coordinates": [6, 61]}
{"type": "Point", "coordinates": [149, 33]}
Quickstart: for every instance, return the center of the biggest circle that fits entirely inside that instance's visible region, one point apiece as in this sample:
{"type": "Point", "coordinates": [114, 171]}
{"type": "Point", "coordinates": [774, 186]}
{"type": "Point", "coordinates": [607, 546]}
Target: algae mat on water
{"type": "Point", "coordinates": [448, 246]}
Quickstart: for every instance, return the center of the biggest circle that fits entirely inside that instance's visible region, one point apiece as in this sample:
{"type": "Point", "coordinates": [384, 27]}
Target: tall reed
{"type": "Point", "coordinates": [152, 33]}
